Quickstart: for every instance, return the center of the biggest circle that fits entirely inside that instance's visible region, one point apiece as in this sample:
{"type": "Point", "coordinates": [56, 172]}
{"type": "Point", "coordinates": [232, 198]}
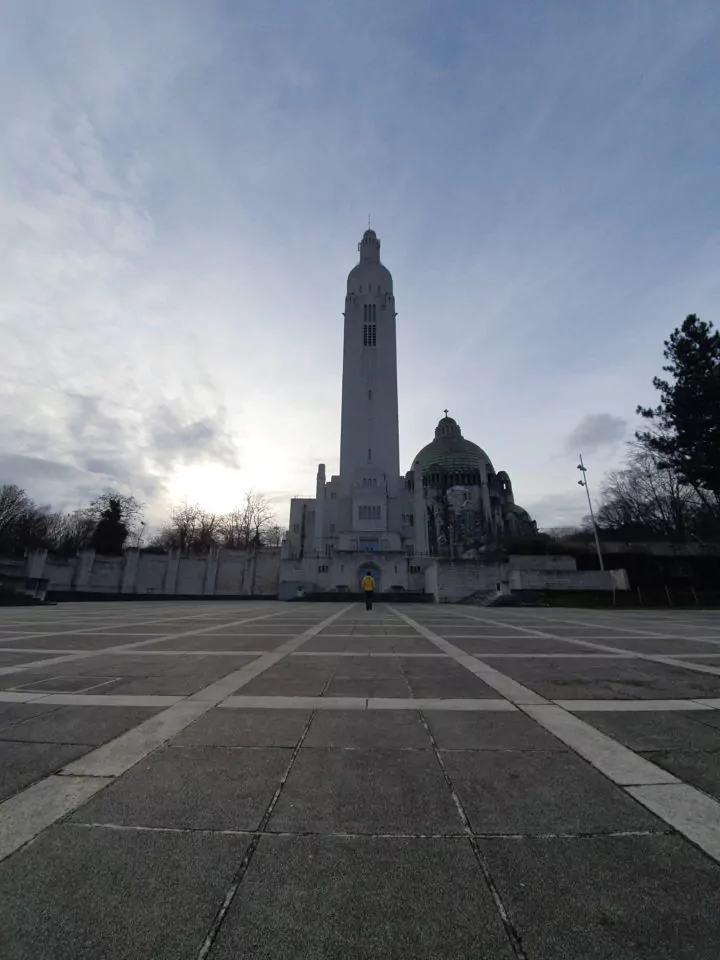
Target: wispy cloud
{"type": "Point", "coordinates": [595, 432]}
{"type": "Point", "coordinates": [183, 190]}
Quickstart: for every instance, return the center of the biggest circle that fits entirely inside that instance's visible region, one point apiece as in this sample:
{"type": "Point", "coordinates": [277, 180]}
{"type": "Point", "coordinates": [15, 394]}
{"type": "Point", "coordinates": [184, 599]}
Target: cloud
{"type": "Point", "coordinates": [173, 279]}
{"type": "Point", "coordinates": [595, 432]}
{"type": "Point", "coordinates": [558, 509]}
{"type": "Point", "coordinates": [92, 444]}
{"type": "Point", "coordinates": [191, 441]}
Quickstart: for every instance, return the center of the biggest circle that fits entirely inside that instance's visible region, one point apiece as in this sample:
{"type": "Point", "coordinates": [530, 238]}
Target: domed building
{"type": "Point", "coordinates": [468, 505]}
{"type": "Point", "coordinates": [451, 504]}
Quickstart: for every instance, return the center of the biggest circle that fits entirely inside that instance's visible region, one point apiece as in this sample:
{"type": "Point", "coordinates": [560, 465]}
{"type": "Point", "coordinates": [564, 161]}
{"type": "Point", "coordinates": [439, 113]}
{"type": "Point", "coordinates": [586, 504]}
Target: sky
{"type": "Point", "coordinates": [183, 186]}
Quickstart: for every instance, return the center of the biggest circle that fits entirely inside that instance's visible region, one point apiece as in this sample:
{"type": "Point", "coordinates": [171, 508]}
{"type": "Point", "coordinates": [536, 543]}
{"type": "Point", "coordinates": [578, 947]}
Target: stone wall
{"type": "Point", "coordinates": [454, 580]}
{"type": "Point", "coordinates": [219, 573]}
{"type": "Point", "coordinates": [572, 580]}
{"type": "Point", "coordinates": [451, 581]}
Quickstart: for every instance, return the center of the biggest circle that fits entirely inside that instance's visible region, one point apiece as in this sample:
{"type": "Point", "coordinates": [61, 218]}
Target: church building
{"type": "Point", "coordinates": [451, 504]}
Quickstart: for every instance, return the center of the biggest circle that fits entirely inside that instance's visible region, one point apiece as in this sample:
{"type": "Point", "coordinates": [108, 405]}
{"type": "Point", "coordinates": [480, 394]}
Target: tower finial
{"type": "Point", "coordinates": [445, 412]}
{"type": "Point", "coordinates": [368, 221]}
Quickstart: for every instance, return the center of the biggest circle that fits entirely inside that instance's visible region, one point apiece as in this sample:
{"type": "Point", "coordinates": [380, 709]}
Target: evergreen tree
{"type": "Point", "coordinates": [685, 436]}
{"type": "Point", "coordinates": [110, 533]}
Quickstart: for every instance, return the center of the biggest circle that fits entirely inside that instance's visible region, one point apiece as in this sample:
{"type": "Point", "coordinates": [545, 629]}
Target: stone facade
{"type": "Point", "coordinates": [451, 503]}
{"type": "Point", "coordinates": [218, 573]}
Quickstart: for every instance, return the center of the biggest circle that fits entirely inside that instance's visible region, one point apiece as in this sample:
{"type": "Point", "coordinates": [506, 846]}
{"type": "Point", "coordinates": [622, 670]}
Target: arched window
{"type": "Point", "coordinates": [369, 335]}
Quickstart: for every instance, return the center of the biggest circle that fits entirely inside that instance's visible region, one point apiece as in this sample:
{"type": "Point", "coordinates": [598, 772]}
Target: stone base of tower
{"type": "Point", "coordinates": [342, 573]}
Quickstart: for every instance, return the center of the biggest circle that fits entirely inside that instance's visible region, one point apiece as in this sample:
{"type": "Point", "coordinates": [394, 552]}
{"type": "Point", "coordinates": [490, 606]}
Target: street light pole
{"type": "Point", "coordinates": [584, 483]}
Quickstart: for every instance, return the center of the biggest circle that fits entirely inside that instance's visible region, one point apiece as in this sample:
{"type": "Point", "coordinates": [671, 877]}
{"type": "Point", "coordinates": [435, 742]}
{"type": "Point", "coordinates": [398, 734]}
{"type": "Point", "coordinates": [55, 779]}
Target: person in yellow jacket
{"type": "Point", "coordinates": [368, 585]}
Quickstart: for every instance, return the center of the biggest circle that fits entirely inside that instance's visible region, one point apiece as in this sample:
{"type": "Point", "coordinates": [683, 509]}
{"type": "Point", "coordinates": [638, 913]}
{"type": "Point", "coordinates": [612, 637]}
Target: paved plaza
{"type": "Point", "coordinates": [229, 780]}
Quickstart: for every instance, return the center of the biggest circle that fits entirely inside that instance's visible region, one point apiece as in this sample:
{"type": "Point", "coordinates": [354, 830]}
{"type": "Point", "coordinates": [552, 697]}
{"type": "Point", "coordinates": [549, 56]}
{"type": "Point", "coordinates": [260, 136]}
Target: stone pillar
{"type": "Point", "coordinates": [83, 570]}
{"type": "Point", "coordinates": [488, 515]}
{"type": "Point", "coordinates": [171, 571]}
{"type": "Point", "coordinates": [211, 569]}
{"type": "Point", "coordinates": [420, 515]}
{"type": "Point", "coordinates": [249, 581]}
{"type": "Point", "coordinates": [129, 574]}
{"type": "Point", "coordinates": [320, 511]}
{"type": "Point", "coordinates": [35, 564]}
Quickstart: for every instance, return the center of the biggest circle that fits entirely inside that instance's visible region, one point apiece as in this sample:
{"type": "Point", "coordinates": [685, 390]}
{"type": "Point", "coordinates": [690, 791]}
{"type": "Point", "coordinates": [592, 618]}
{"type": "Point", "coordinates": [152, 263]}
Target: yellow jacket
{"type": "Point", "coordinates": [368, 583]}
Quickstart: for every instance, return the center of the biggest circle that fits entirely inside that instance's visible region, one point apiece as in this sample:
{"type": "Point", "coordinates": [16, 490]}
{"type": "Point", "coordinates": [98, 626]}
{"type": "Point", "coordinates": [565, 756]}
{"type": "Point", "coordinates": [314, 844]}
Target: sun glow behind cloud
{"type": "Point", "coordinates": [213, 487]}
{"type": "Point", "coordinates": [184, 193]}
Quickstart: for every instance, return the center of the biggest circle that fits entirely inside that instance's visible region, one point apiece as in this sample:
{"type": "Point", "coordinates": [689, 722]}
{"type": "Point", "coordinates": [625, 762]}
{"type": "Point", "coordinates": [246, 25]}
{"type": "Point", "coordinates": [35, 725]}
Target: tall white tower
{"type": "Point", "coordinates": [369, 424]}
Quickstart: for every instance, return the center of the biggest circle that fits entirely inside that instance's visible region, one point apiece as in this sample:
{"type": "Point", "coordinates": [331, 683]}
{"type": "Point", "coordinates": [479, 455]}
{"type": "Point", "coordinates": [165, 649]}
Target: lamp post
{"type": "Point", "coordinates": [584, 483]}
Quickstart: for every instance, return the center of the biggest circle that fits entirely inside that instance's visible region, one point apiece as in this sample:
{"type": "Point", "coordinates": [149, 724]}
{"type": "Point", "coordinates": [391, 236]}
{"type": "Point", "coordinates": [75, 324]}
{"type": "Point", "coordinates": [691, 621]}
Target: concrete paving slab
{"type": "Point", "coordinates": [129, 666]}
{"type": "Point", "coordinates": [12, 713]}
{"type": "Point", "coordinates": [119, 755]}
{"type": "Point", "coordinates": [198, 788]}
{"type": "Point", "coordinates": [622, 765]}
{"type": "Point", "coordinates": [369, 730]}
{"type": "Point", "coordinates": [712, 716]}
{"type": "Point", "coordinates": [414, 645]}
{"type": "Point", "coordinates": [362, 780]}
{"type": "Point", "coordinates": [41, 683]}
{"type": "Point", "coordinates": [245, 728]}
{"type": "Point", "coordinates": [609, 898]}
{"type": "Point", "coordinates": [11, 658]}
{"type": "Point", "coordinates": [657, 731]}
{"type": "Point", "coordinates": [369, 899]}
{"type": "Point", "coordinates": [367, 667]}
{"type": "Point", "coordinates": [172, 685]}
{"type": "Point", "coordinates": [294, 703]}
{"type": "Point", "coordinates": [540, 792]}
{"type": "Point", "coordinates": [365, 791]}
{"type": "Point", "coordinates": [460, 687]}
{"type": "Point", "coordinates": [489, 731]}
{"type": "Point", "coordinates": [607, 679]}
{"type": "Point", "coordinates": [667, 646]}
{"type": "Point", "coordinates": [709, 659]}
{"type": "Point", "coordinates": [438, 703]}
{"type": "Point", "coordinates": [148, 896]}
{"type": "Point", "coordinates": [510, 644]}
{"type": "Point", "coordinates": [80, 641]}
{"type": "Point", "coordinates": [625, 706]}
{"type": "Point", "coordinates": [367, 687]}
{"type": "Point", "coordinates": [236, 643]}
{"type": "Point", "coordinates": [108, 700]}
{"type": "Point", "coordinates": [23, 763]}
{"type": "Point", "coordinates": [88, 725]}
{"type": "Point", "coordinates": [699, 768]}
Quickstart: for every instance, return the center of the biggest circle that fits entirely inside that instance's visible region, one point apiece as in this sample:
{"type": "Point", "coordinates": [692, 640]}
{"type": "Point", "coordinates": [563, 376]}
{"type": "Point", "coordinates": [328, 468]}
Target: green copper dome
{"type": "Point", "coordinates": [450, 451]}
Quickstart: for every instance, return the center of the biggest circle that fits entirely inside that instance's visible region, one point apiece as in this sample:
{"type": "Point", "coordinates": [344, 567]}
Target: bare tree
{"type": "Point", "coordinates": [273, 535]}
{"type": "Point", "coordinates": [207, 532]}
{"type": "Point", "coordinates": [73, 533]}
{"type": "Point", "coordinates": [249, 523]}
{"type": "Point", "coordinates": [190, 529]}
{"type": "Point", "coordinates": [14, 502]}
{"type": "Point", "coordinates": [648, 499]}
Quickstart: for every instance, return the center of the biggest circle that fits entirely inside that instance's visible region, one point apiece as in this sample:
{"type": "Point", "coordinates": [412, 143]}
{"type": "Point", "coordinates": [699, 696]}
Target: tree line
{"type": "Point", "coordinates": [670, 486]}
{"type": "Point", "coordinates": [112, 522]}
